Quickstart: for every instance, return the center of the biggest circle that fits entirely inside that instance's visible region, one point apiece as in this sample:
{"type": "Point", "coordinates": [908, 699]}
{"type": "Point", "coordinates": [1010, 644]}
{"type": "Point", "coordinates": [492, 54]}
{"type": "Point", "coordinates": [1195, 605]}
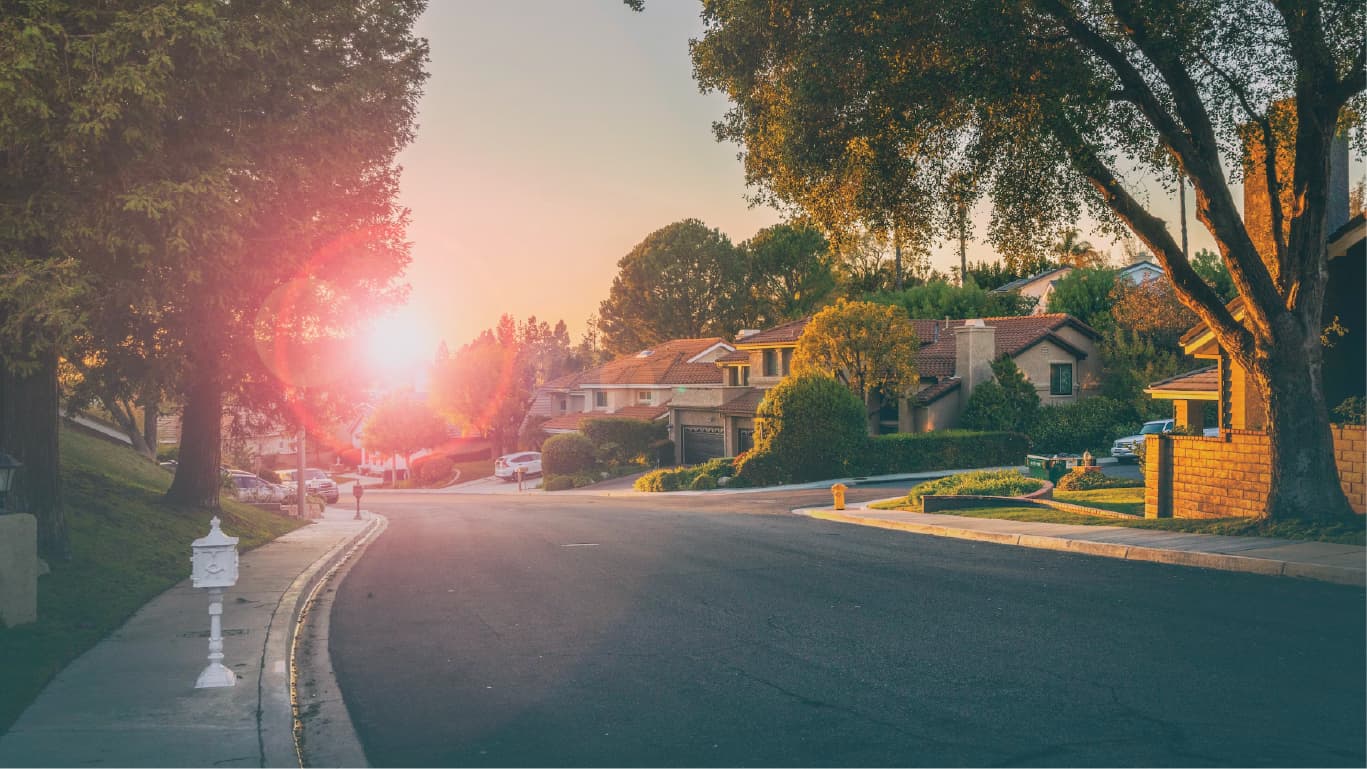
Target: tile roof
{"type": "Point", "coordinates": [784, 334]}
{"type": "Point", "coordinates": [1205, 379]}
{"type": "Point", "coordinates": [1013, 336]}
{"type": "Point", "coordinates": [666, 364]}
{"type": "Point", "coordinates": [744, 404]}
{"type": "Point", "coordinates": [735, 356]}
{"type": "Point", "coordinates": [1019, 282]}
{"type": "Point", "coordinates": [936, 391]}
{"type": "Point", "coordinates": [573, 421]}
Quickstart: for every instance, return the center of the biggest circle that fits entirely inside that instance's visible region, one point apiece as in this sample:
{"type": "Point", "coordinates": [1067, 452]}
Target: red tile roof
{"type": "Point", "coordinates": [1201, 380]}
{"type": "Point", "coordinates": [1013, 336]}
{"type": "Point", "coordinates": [665, 364]}
{"type": "Point", "coordinates": [573, 421]}
{"type": "Point", "coordinates": [936, 391]}
{"type": "Point", "coordinates": [737, 356]}
{"type": "Point", "coordinates": [744, 404]}
{"type": "Point", "coordinates": [784, 334]}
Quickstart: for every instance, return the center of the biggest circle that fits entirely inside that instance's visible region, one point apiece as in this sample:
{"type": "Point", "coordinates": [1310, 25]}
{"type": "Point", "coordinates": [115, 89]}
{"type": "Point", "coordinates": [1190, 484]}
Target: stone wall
{"type": "Point", "coordinates": [1195, 477]}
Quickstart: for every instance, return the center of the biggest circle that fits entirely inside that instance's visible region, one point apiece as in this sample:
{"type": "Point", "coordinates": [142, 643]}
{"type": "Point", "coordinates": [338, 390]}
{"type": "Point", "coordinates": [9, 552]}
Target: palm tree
{"type": "Point", "coordinates": [1077, 253]}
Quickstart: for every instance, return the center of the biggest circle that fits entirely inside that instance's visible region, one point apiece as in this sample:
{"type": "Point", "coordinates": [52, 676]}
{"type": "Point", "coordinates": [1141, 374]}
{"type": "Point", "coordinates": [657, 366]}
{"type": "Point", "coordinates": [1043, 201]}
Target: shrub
{"type": "Point", "coordinates": [557, 482]}
{"type": "Point", "coordinates": [758, 468]}
{"type": "Point", "coordinates": [1001, 483]}
{"type": "Point", "coordinates": [623, 440]}
{"type": "Point", "coordinates": [941, 450]}
{"type": "Point", "coordinates": [1089, 424]}
{"type": "Point", "coordinates": [1350, 411]}
{"type": "Point", "coordinates": [1007, 402]}
{"type": "Point", "coordinates": [531, 437]}
{"type": "Point", "coordinates": [567, 454]}
{"type": "Point", "coordinates": [584, 479]}
{"type": "Point", "coordinates": [435, 470]}
{"type": "Point", "coordinates": [703, 482]}
{"type": "Point", "coordinates": [650, 481]}
{"type": "Point", "coordinates": [1086, 480]}
{"type": "Point", "coordinates": [811, 426]}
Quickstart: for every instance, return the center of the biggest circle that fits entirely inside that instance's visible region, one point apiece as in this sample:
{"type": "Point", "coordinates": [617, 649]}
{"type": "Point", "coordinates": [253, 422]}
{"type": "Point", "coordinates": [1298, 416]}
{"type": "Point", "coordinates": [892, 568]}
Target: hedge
{"type": "Point", "coordinates": [811, 425]}
{"type": "Point", "coordinates": [942, 450]}
{"type": "Point", "coordinates": [1087, 480]}
{"type": "Point", "coordinates": [997, 483]}
{"type": "Point", "coordinates": [567, 454]}
{"type": "Point", "coordinates": [623, 440]}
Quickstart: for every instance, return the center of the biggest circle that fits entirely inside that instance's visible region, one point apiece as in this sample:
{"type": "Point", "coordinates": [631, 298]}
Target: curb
{"type": "Point", "coordinates": [275, 711]}
{"type": "Point", "coordinates": [323, 730]}
{"type": "Point", "coordinates": [1219, 561]}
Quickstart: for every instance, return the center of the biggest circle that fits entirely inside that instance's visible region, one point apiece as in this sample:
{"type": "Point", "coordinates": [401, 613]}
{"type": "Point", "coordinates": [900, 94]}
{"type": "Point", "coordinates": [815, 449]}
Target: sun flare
{"type": "Point", "coordinates": [399, 343]}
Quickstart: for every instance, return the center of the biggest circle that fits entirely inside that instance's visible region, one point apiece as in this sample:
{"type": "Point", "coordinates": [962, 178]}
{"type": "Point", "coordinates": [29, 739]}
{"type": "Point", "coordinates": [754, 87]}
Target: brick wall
{"type": "Point", "coordinates": [1196, 477]}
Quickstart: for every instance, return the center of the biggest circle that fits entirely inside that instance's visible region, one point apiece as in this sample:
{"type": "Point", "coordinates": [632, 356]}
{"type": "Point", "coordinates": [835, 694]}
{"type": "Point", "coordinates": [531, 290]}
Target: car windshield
{"type": "Point", "coordinates": [1152, 428]}
{"type": "Point", "coordinates": [314, 475]}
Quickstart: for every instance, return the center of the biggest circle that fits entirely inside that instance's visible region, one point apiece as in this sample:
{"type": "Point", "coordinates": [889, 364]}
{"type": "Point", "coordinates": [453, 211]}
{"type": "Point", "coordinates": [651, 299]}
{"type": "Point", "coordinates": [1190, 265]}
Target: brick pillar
{"type": "Point", "coordinates": [1189, 413]}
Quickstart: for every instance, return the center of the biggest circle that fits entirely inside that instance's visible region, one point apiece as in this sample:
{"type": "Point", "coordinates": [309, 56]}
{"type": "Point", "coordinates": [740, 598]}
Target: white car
{"type": "Point", "coordinates": [246, 487]}
{"type": "Point", "coordinates": [315, 482]}
{"type": "Point", "coordinates": [506, 466]}
{"type": "Point", "coordinates": [1123, 448]}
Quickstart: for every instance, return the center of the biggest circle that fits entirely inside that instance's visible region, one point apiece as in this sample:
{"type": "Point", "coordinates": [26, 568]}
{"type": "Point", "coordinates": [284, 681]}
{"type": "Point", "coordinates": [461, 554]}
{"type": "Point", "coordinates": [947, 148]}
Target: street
{"type": "Point", "coordinates": [543, 630]}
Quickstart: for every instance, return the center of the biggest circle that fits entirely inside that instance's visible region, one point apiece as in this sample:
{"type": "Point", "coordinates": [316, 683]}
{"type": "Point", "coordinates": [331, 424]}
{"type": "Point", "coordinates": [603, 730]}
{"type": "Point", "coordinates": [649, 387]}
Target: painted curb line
{"type": "Point", "coordinates": [275, 711]}
{"type": "Point", "coordinates": [1219, 561]}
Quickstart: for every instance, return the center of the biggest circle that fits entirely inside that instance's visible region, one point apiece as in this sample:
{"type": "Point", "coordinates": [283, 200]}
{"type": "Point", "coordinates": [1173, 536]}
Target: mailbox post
{"type": "Point", "coordinates": [357, 491]}
{"type": "Point", "coordinates": [213, 565]}
{"type": "Point", "coordinates": [519, 478]}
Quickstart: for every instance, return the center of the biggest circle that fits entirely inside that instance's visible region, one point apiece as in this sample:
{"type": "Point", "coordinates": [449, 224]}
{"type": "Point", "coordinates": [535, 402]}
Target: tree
{"type": "Point", "coordinates": [1076, 253]}
{"type": "Point", "coordinates": [989, 275]}
{"type": "Point", "coordinates": [1086, 295]}
{"type": "Point", "coordinates": [1207, 264]}
{"type": "Point", "coordinates": [683, 281]}
{"type": "Point", "coordinates": [484, 387]}
{"type": "Point", "coordinates": [1151, 309]}
{"type": "Point", "coordinates": [401, 424]}
{"type": "Point", "coordinates": [871, 348]}
{"type": "Point", "coordinates": [808, 427]}
{"type": "Point", "coordinates": [1007, 402]}
{"type": "Point", "coordinates": [791, 273]}
{"type": "Point", "coordinates": [940, 299]}
{"type": "Point", "coordinates": [1072, 105]}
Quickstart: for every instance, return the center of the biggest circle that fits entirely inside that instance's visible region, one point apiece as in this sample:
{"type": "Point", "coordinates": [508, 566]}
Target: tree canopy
{"type": "Point", "coordinates": [1058, 108]}
{"type": "Point", "coordinates": [869, 347]}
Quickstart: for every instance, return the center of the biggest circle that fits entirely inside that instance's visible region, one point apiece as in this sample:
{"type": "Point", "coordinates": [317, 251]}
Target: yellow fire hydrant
{"type": "Point", "coordinates": [838, 491]}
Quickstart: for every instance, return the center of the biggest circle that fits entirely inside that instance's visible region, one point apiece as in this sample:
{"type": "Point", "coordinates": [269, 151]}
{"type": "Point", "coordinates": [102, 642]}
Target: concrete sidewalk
{"type": "Point", "coordinates": [131, 701]}
{"type": "Point", "coordinates": [1342, 564]}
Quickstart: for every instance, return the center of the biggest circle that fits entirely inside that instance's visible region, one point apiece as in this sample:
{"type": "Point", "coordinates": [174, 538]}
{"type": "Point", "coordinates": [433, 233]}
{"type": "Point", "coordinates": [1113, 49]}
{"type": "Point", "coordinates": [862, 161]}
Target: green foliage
{"type": "Point", "coordinates": [871, 347]}
{"type": "Point", "coordinates": [662, 453]}
{"type": "Point", "coordinates": [567, 454]}
{"type": "Point", "coordinates": [699, 477]}
{"type": "Point", "coordinates": [941, 450]}
{"type": "Point", "coordinates": [938, 299]}
{"type": "Point", "coordinates": [791, 273]}
{"type": "Point", "coordinates": [1350, 411]}
{"type": "Point", "coordinates": [1213, 271]}
{"type": "Point", "coordinates": [1008, 402]}
{"type": "Point", "coordinates": [761, 468]}
{"type": "Point", "coordinates": [557, 482]}
{"type": "Point", "coordinates": [435, 470]}
{"type": "Point", "coordinates": [1081, 479]}
{"type": "Point", "coordinates": [996, 483]}
{"type": "Point", "coordinates": [623, 441]}
{"type": "Point", "coordinates": [1090, 424]}
{"type": "Point", "coordinates": [812, 426]}
{"type": "Point", "coordinates": [531, 436]}
{"type": "Point", "coordinates": [989, 275]}
{"type": "Point", "coordinates": [1086, 295]}
{"type": "Point", "coordinates": [703, 482]}
{"type": "Point", "coordinates": [1130, 362]}
{"type": "Point", "coordinates": [683, 281]}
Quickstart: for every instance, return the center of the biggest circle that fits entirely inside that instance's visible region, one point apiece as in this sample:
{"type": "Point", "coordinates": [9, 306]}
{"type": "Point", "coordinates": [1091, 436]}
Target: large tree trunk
{"type": "Point", "coordinates": [28, 432]}
{"type": "Point", "coordinates": [151, 409]}
{"type": "Point", "coordinates": [198, 472]}
{"type": "Point", "coordinates": [1304, 474]}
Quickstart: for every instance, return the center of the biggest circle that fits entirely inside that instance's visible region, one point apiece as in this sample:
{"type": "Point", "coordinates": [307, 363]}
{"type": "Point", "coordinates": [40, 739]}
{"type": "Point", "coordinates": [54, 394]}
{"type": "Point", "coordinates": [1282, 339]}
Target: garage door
{"type": "Point", "coordinates": [702, 443]}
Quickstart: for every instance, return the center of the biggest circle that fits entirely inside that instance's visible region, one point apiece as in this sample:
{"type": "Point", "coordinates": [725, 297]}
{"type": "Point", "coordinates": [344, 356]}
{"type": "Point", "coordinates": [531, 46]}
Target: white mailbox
{"type": "Point", "coordinates": [213, 564]}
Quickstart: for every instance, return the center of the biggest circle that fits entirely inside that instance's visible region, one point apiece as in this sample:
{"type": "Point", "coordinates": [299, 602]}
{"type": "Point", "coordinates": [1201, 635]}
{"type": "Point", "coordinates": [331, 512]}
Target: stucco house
{"type": "Point", "coordinates": [1038, 286]}
{"type": "Point", "coordinates": [636, 386]}
{"type": "Point", "coordinates": [1056, 352]}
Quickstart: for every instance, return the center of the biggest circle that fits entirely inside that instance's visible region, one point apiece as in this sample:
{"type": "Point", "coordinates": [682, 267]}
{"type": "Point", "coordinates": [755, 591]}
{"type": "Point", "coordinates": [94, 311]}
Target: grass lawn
{"type": "Point", "coordinates": [1128, 501]}
{"type": "Point", "coordinates": [127, 547]}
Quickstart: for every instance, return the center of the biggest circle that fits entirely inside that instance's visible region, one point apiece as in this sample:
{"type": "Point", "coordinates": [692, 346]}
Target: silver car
{"type": "Point", "coordinates": [315, 482]}
{"type": "Point", "coordinates": [1123, 448]}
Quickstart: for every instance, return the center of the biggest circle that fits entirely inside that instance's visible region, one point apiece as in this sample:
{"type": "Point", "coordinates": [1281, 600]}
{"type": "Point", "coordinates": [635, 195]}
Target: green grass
{"type": "Point", "coordinates": [127, 547]}
{"type": "Point", "coordinates": [1129, 500]}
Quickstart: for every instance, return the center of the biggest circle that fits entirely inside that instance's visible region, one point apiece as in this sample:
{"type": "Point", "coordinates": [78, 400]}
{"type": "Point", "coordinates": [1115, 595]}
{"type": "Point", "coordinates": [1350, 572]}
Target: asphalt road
{"type": "Point", "coordinates": [541, 630]}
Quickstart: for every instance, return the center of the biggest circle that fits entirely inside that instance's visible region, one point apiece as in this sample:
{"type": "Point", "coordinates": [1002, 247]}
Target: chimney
{"type": "Point", "coordinates": [975, 345]}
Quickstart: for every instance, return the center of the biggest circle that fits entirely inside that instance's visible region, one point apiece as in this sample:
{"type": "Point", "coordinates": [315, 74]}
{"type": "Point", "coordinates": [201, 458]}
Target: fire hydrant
{"type": "Point", "coordinates": [838, 491]}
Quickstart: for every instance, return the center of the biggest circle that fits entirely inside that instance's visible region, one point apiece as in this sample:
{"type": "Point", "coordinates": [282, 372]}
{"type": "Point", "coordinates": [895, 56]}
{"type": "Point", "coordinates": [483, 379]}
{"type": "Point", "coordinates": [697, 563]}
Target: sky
{"type": "Point", "coordinates": [554, 136]}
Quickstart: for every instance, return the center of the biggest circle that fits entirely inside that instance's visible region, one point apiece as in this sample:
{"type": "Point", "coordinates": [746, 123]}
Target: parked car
{"type": "Point", "coordinates": [1123, 448]}
{"type": "Point", "coordinates": [246, 487]}
{"type": "Point", "coordinates": [315, 482]}
{"type": "Point", "coordinates": [506, 466]}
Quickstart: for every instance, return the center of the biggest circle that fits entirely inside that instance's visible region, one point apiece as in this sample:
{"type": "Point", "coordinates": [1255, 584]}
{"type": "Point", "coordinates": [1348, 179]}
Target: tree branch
{"type": "Point", "coordinates": [1194, 292]}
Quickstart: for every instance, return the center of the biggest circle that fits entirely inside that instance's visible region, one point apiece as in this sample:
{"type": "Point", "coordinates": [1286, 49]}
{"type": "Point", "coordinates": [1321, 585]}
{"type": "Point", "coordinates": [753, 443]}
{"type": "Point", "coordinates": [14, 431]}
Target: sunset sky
{"type": "Point", "coordinates": [553, 137]}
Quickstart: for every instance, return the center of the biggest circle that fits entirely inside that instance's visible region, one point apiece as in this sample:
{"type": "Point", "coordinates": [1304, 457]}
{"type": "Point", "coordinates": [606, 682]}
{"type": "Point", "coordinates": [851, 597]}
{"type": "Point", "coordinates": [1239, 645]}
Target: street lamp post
{"type": "Point", "coordinates": [9, 467]}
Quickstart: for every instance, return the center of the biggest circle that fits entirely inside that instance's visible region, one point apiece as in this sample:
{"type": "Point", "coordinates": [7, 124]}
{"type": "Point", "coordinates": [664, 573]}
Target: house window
{"type": "Point", "coordinates": [600, 399]}
{"type": "Point", "coordinates": [644, 396]}
{"type": "Point", "coordinates": [1060, 379]}
{"type": "Point", "coordinates": [563, 405]}
{"type": "Point", "coordinates": [744, 376]}
{"type": "Point", "coordinates": [787, 360]}
{"type": "Point", "coordinates": [738, 376]}
{"type": "Point", "coordinates": [770, 363]}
